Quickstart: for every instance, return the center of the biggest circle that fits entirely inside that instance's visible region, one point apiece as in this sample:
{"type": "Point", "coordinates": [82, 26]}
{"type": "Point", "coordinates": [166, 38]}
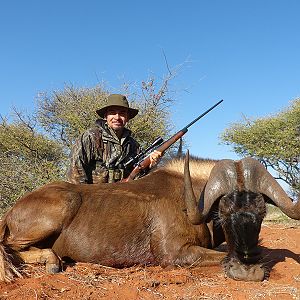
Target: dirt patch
{"type": "Point", "coordinates": [281, 244]}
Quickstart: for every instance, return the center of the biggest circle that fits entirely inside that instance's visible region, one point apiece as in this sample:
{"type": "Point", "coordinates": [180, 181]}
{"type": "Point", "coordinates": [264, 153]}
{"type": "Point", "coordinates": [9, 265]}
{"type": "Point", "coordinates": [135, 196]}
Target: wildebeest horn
{"type": "Point", "coordinates": [193, 212]}
{"type": "Point", "coordinates": [222, 180]}
{"type": "Point", "coordinates": [258, 179]}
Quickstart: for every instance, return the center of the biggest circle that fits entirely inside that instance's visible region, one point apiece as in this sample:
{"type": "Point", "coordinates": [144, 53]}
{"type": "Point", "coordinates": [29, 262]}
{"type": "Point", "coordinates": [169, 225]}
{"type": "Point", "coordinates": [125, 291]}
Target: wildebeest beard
{"type": "Point", "coordinates": [241, 214]}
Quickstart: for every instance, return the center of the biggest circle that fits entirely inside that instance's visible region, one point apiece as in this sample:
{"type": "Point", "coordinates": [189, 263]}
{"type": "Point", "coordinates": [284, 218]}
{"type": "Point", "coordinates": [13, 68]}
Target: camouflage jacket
{"type": "Point", "coordinates": [98, 155]}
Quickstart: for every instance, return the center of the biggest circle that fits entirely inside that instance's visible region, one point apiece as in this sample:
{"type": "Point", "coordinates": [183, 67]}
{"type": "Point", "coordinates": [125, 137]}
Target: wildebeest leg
{"type": "Point", "coordinates": [38, 219]}
{"type": "Point", "coordinates": [21, 242]}
{"type": "Point", "coordinates": [192, 255]}
{"type": "Point", "coordinates": [43, 256]}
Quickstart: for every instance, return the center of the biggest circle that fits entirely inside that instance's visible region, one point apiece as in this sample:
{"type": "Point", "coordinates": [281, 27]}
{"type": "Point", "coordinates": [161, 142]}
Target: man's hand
{"type": "Point", "coordinates": [154, 158]}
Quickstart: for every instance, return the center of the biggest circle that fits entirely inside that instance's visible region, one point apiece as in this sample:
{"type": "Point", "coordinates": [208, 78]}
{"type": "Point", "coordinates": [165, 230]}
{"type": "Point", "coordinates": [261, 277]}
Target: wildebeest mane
{"type": "Point", "coordinates": [199, 167]}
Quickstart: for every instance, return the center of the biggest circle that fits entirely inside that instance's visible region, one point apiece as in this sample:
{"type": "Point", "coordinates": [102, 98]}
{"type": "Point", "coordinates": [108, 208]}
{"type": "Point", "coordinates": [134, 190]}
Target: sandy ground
{"type": "Point", "coordinates": [281, 243]}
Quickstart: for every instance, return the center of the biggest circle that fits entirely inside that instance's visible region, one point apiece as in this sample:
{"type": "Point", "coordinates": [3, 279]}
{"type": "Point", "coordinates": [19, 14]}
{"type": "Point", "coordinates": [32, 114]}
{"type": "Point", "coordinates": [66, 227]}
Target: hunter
{"type": "Point", "coordinates": [99, 154]}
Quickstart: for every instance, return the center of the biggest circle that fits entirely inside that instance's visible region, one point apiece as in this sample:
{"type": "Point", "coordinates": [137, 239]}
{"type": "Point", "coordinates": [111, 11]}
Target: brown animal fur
{"type": "Point", "coordinates": [121, 224]}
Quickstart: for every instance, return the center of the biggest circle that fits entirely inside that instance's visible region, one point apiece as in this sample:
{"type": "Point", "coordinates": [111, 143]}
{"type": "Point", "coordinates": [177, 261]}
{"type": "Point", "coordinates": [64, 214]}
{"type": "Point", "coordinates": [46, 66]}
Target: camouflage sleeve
{"type": "Point", "coordinates": [82, 158]}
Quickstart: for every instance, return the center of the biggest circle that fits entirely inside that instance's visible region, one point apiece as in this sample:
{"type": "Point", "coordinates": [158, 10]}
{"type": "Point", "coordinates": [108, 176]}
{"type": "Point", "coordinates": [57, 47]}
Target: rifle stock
{"type": "Point", "coordinates": [145, 163]}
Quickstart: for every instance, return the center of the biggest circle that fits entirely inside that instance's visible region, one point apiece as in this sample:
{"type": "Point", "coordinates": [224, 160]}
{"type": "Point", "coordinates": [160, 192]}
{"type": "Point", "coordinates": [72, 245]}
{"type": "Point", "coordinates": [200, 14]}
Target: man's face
{"type": "Point", "coordinates": [116, 117]}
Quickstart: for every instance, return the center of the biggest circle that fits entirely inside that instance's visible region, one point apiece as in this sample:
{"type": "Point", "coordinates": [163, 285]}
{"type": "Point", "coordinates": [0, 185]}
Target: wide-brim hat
{"type": "Point", "coordinates": [117, 100]}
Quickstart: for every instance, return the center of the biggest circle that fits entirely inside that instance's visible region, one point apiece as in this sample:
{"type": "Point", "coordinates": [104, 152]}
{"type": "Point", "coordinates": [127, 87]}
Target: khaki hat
{"type": "Point", "coordinates": [117, 100]}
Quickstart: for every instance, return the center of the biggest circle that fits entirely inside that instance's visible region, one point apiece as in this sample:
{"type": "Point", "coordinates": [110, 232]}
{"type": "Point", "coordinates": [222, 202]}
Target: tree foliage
{"type": "Point", "coordinates": [66, 113]}
{"type": "Point", "coordinates": [27, 160]}
{"type": "Point", "coordinates": [274, 140]}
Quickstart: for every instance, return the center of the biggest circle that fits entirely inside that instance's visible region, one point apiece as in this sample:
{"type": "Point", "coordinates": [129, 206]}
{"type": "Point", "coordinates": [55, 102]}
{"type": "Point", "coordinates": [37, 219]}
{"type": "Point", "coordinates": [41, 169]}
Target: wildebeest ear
{"type": "Point", "coordinates": [268, 200]}
{"type": "Point", "coordinates": [213, 209]}
{"type": "Point", "coordinates": [201, 200]}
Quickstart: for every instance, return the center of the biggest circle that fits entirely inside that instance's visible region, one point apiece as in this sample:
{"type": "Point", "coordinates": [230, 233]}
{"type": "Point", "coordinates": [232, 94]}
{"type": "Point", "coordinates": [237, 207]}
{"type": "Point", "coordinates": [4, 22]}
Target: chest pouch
{"type": "Point", "coordinates": [115, 174]}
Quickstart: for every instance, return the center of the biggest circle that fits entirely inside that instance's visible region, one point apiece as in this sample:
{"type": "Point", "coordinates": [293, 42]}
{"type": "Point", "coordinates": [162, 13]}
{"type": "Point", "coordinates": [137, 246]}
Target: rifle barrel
{"type": "Point", "coordinates": [202, 115]}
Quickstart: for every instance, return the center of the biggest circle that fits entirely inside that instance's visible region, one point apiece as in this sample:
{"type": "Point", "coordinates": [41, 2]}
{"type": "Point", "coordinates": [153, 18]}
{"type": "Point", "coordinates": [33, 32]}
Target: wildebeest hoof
{"type": "Point", "coordinates": [52, 268]}
{"type": "Point", "coordinates": [236, 270]}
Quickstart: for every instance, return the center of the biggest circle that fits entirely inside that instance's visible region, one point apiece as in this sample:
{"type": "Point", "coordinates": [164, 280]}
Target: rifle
{"type": "Point", "coordinates": [138, 157]}
{"type": "Point", "coordinates": [145, 163]}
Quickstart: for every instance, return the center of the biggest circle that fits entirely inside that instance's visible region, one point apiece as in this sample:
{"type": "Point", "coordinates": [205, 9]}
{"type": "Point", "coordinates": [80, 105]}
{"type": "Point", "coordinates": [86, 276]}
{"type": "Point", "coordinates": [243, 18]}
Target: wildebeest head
{"type": "Point", "coordinates": [240, 214]}
{"type": "Point", "coordinates": [237, 191]}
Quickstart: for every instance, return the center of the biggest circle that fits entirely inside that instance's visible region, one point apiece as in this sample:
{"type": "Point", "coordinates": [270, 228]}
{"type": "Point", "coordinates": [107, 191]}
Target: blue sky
{"type": "Point", "coordinates": [245, 52]}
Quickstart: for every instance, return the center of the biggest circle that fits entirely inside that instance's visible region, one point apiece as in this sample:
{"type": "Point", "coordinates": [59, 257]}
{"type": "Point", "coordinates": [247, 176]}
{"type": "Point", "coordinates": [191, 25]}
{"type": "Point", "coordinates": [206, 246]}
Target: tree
{"type": "Point", "coordinates": [27, 160]}
{"type": "Point", "coordinates": [274, 140]}
{"type": "Point", "coordinates": [65, 113]}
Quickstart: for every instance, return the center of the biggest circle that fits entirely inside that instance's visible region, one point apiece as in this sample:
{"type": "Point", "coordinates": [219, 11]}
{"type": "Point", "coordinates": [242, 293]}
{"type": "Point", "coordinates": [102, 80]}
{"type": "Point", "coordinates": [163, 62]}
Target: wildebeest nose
{"type": "Point", "coordinates": [249, 256]}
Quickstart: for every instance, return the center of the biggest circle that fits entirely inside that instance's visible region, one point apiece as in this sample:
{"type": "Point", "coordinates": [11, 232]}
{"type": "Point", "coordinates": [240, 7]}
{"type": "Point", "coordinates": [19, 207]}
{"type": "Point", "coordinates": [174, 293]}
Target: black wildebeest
{"type": "Point", "coordinates": [175, 215]}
